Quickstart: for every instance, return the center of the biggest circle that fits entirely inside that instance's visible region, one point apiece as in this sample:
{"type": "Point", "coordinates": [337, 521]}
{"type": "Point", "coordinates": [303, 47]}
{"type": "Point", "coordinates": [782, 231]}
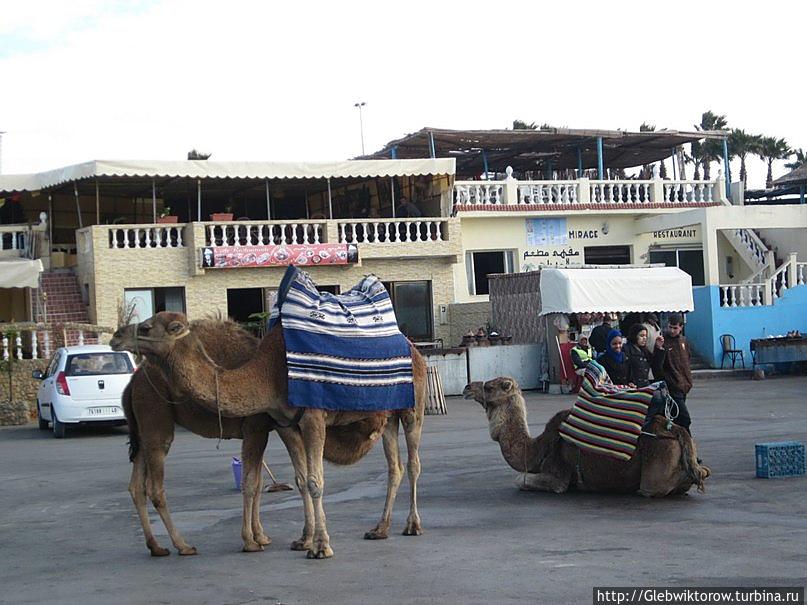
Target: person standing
{"type": "Point", "coordinates": [600, 334]}
{"type": "Point", "coordinates": [614, 359]}
{"type": "Point", "coordinates": [677, 369]}
{"type": "Point", "coordinates": [640, 357]}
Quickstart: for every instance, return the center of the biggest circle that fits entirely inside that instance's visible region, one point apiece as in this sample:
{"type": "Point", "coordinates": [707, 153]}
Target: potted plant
{"type": "Point", "coordinates": [166, 216]}
{"type": "Point", "coordinates": [227, 215]}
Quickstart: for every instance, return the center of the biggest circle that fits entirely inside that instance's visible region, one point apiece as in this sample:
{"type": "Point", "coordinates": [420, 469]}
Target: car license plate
{"type": "Point", "coordinates": [102, 411]}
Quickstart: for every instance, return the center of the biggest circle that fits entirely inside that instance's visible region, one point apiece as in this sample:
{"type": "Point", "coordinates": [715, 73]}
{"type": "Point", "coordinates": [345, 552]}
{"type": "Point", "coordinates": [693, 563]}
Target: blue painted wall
{"type": "Point", "coordinates": [708, 321]}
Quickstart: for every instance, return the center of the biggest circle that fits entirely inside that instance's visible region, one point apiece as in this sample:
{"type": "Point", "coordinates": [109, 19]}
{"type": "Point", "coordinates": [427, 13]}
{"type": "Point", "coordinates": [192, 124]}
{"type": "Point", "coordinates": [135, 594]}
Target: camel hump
{"type": "Point", "coordinates": [348, 443]}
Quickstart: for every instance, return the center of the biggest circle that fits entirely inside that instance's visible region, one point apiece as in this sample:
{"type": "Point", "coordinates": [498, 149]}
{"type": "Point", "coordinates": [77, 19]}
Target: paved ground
{"type": "Point", "coordinates": [69, 534]}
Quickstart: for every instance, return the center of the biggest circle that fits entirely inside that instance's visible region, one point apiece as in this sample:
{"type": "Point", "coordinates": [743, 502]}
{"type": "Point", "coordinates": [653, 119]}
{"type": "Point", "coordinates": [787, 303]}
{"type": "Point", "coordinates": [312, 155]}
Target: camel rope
{"type": "Point", "coordinates": [216, 368]}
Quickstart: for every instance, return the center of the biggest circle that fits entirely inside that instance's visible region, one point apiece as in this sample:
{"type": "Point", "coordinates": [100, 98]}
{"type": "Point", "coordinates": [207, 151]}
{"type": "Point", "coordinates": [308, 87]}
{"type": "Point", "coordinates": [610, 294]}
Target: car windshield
{"type": "Point", "coordinates": [90, 364]}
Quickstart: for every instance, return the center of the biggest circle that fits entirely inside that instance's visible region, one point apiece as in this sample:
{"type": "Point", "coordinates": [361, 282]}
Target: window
{"type": "Point", "coordinates": [144, 303]}
{"type": "Point", "coordinates": [689, 260]}
{"type": "Point", "coordinates": [243, 302]}
{"type": "Point", "coordinates": [412, 301]}
{"type": "Point", "coordinates": [97, 364]}
{"type": "Point", "coordinates": [481, 264]}
{"type": "Point", "coordinates": [607, 255]}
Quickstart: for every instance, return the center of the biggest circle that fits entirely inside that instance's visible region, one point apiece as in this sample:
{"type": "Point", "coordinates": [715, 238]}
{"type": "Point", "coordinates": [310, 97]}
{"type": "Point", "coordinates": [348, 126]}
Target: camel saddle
{"type": "Point", "coordinates": [344, 352]}
{"type": "Point", "coordinates": [607, 419]}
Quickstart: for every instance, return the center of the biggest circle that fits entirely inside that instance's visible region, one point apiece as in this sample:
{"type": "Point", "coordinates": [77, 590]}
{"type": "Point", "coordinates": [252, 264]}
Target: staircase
{"type": "Point", "coordinates": [59, 301]}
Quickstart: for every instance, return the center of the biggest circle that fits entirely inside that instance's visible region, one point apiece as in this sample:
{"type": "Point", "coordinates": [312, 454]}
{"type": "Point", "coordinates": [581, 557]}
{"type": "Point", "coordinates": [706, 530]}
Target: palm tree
{"type": "Point", "coordinates": [646, 171]}
{"type": "Point", "coordinates": [711, 149]}
{"type": "Point", "coordinates": [740, 145]}
{"type": "Point", "coordinates": [770, 149]}
{"type": "Point", "coordinates": [697, 156]}
{"type": "Point", "coordinates": [522, 125]}
{"type": "Point", "coordinates": [801, 159]}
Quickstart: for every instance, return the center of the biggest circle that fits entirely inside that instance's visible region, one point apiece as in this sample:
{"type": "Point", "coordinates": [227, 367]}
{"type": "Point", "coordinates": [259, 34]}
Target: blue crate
{"type": "Point", "coordinates": [780, 459]}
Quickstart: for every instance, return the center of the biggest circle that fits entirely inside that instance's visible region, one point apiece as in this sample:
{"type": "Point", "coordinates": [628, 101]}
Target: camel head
{"type": "Point", "coordinates": [503, 403]}
{"type": "Point", "coordinates": [155, 337]}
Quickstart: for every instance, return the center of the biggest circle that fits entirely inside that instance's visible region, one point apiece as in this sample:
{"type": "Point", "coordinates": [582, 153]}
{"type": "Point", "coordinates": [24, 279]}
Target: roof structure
{"type": "Point", "coordinates": [531, 149]}
{"type": "Point", "coordinates": [794, 177]}
{"type": "Point", "coordinates": [112, 170]}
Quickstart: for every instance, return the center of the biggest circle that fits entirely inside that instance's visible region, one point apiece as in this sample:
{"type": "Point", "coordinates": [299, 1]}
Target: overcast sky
{"type": "Point", "coordinates": [101, 79]}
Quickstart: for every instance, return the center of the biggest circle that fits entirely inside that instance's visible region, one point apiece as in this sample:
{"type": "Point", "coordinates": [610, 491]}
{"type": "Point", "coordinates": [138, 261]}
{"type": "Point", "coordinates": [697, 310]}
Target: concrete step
{"type": "Point", "coordinates": [711, 373]}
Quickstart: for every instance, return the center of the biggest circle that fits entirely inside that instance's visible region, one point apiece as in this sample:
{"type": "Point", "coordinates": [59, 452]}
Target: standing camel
{"type": "Point", "coordinates": [152, 408]}
{"type": "Point", "coordinates": [664, 464]}
{"type": "Point", "coordinates": [309, 434]}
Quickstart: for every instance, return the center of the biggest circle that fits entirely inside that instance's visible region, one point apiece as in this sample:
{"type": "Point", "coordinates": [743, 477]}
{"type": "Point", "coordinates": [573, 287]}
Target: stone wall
{"type": "Point", "coordinates": [23, 408]}
{"type": "Point", "coordinates": [464, 318]}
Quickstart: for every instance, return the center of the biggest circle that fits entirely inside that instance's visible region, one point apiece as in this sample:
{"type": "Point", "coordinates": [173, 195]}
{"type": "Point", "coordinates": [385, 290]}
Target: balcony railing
{"type": "Point", "coordinates": [765, 291]}
{"type": "Point", "coordinates": [512, 194]}
{"type": "Point", "coordinates": [145, 236]}
{"type": "Point", "coordinates": [370, 231]}
{"type": "Point", "coordinates": [21, 240]}
{"type": "Point", "coordinates": [265, 233]}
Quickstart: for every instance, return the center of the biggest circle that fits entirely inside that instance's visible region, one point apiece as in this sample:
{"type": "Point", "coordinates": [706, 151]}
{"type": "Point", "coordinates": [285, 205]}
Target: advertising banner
{"type": "Point", "coordinates": [301, 255]}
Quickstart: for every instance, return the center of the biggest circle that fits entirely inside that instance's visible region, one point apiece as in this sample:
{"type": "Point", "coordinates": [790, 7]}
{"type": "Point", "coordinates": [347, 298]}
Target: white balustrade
{"type": "Point", "coordinates": [147, 236]}
{"type": "Point", "coordinates": [5, 347]}
{"type": "Point", "coordinates": [742, 295]}
{"type": "Point", "coordinates": [264, 233]}
{"type": "Point", "coordinates": [14, 237]}
{"type": "Point", "coordinates": [779, 281]}
{"type": "Point", "coordinates": [475, 193]}
{"type": "Point", "coordinates": [621, 192]}
{"type": "Point", "coordinates": [29, 340]}
{"type": "Point", "coordinates": [700, 192]}
{"type": "Point", "coordinates": [754, 245]}
{"type": "Point", "coordinates": [548, 192]}
{"type": "Point", "coordinates": [393, 231]}
{"type": "Point", "coordinates": [801, 274]}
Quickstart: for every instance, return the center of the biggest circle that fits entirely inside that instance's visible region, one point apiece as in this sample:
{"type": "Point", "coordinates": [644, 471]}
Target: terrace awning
{"type": "Point", "coordinates": [204, 169]}
{"type": "Point", "coordinates": [20, 273]}
{"type": "Point", "coordinates": [615, 290]}
{"type": "Point", "coordinates": [530, 149]}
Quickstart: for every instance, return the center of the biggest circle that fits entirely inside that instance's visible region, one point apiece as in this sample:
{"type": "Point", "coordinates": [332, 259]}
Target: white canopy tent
{"type": "Point", "coordinates": [20, 273]}
{"type": "Point", "coordinates": [615, 289]}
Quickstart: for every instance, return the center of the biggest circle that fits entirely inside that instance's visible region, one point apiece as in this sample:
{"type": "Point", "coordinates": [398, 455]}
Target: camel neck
{"type": "Point", "coordinates": [519, 449]}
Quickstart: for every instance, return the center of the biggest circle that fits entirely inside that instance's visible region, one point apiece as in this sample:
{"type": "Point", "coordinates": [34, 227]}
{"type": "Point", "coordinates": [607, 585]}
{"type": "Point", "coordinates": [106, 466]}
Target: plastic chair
{"type": "Point", "coordinates": [730, 350]}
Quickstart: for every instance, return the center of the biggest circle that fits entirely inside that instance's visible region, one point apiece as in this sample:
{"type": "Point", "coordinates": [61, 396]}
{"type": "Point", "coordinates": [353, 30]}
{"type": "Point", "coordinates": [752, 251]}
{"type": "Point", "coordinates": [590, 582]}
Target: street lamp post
{"type": "Point", "coordinates": [361, 104]}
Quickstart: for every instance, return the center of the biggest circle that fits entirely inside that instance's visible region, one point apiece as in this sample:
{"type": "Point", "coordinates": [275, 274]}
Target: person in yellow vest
{"type": "Point", "coordinates": [581, 354]}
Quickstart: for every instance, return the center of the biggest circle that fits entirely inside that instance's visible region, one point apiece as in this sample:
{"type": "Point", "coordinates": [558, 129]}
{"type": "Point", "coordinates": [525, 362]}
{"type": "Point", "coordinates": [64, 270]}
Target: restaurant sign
{"type": "Point", "coordinates": [301, 255]}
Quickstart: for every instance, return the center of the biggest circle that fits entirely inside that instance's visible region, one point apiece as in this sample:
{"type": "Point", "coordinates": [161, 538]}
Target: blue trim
{"type": "Point", "coordinates": [579, 163]}
{"type": "Point", "coordinates": [672, 159]}
{"type": "Point", "coordinates": [484, 162]}
{"type": "Point", "coordinates": [727, 166]}
{"type": "Point", "coordinates": [801, 194]}
{"type": "Point", "coordinates": [431, 145]}
{"type": "Point", "coordinates": [600, 170]}
{"type": "Point", "coordinates": [393, 153]}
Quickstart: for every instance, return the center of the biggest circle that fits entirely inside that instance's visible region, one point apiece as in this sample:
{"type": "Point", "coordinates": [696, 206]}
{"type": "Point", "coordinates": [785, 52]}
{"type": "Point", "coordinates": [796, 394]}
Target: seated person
{"type": "Point", "coordinates": [581, 354]}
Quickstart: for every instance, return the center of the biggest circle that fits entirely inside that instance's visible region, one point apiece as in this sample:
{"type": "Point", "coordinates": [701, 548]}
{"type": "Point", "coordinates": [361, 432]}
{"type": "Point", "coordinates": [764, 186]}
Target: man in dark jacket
{"type": "Point", "coordinates": [677, 369]}
{"type": "Point", "coordinates": [600, 333]}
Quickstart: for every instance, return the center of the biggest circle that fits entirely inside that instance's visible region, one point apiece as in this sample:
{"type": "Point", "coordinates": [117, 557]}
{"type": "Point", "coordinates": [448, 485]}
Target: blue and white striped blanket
{"type": "Point", "coordinates": [344, 352]}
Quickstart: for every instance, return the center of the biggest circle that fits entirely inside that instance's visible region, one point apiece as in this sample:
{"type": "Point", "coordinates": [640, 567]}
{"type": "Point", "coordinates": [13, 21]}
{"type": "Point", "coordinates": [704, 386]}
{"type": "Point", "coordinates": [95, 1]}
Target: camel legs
{"type": "Point", "coordinates": [252, 448]}
{"type": "Point", "coordinates": [155, 490]}
{"type": "Point", "coordinates": [542, 482]}
{"type": "Point", "coordinates": [312, 427]}
{"type": "Point", "coordinates": [413, 424]}
{"type": "Point", "coordinates": [293, 440]}
{"type": "Point", "coordinates": [394, 475]}
{"type": "Point", "coordinates": [137, 489]}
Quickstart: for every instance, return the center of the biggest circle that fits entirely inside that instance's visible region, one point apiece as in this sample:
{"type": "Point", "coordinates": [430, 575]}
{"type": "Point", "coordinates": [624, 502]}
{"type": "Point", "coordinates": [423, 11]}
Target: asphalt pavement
{"type": "Point", "coordinates": [69, 532]}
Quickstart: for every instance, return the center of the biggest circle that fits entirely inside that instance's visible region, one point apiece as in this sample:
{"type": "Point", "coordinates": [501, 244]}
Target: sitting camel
{"type": "Point", "coordinates": [663, 464]}
{"type": "Point", "coordinates": [152, 409]}
{"type": "Point", "coordinates": [309, 434]}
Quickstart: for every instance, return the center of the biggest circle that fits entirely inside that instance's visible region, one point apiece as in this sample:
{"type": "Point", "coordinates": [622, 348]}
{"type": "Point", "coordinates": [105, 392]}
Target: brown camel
{"type": "Point", "coordinates": [152, 409]}
{"type": "Point", "coordinates": [662, 465]}
{"type": "Point", "coordinates": [260, 386]}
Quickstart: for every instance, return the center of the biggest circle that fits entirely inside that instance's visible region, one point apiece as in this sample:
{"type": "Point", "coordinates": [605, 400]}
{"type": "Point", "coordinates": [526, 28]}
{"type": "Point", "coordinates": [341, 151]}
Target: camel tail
{"type": "Point", "coordinates": [134, 434]}
{"type": "Point", "coordinates": [349, 443]}
{"type": "Point", "coordinates": [689, 458]}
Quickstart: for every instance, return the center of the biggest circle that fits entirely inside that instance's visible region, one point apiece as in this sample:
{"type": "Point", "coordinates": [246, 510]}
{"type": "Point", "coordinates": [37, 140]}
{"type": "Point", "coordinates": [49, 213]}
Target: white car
{"type": "Point", "coordinates": [83, 385]}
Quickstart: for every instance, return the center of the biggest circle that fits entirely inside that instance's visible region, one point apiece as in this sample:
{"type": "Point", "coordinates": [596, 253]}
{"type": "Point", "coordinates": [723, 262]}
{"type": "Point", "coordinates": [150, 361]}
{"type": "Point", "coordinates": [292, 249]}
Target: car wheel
{"type": "Point", "coordinates": [59, 428]}
{"type": "Point", "coordinates": [43, 424]}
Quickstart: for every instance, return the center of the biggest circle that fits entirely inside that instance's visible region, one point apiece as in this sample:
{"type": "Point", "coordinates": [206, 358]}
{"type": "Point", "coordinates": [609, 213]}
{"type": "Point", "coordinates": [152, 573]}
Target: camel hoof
{"type": "Point", "coordinates": [159, 551]}
{"type": "Point", "coordinates": [413, 529]}
{"type": "Point", "coordinates": [376, 534]}
{"type": "Point", "coordinates": [263, 540]}
{"type": "Point", "coordinates": [301, 544]}
{"type": "Point", "coordinates": [252, 547]}
{"type": "Point", "coordinates": [322, 553]}
{"type": "Point", "coordinates": [190, 550]}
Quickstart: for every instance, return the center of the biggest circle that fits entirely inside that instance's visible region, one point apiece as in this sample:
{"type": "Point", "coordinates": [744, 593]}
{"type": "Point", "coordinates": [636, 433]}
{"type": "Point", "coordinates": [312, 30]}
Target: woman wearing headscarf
{"type": "Point", "coordinates": [640, 360]}
{"type": "Point", "coordinates": [614, 360]}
